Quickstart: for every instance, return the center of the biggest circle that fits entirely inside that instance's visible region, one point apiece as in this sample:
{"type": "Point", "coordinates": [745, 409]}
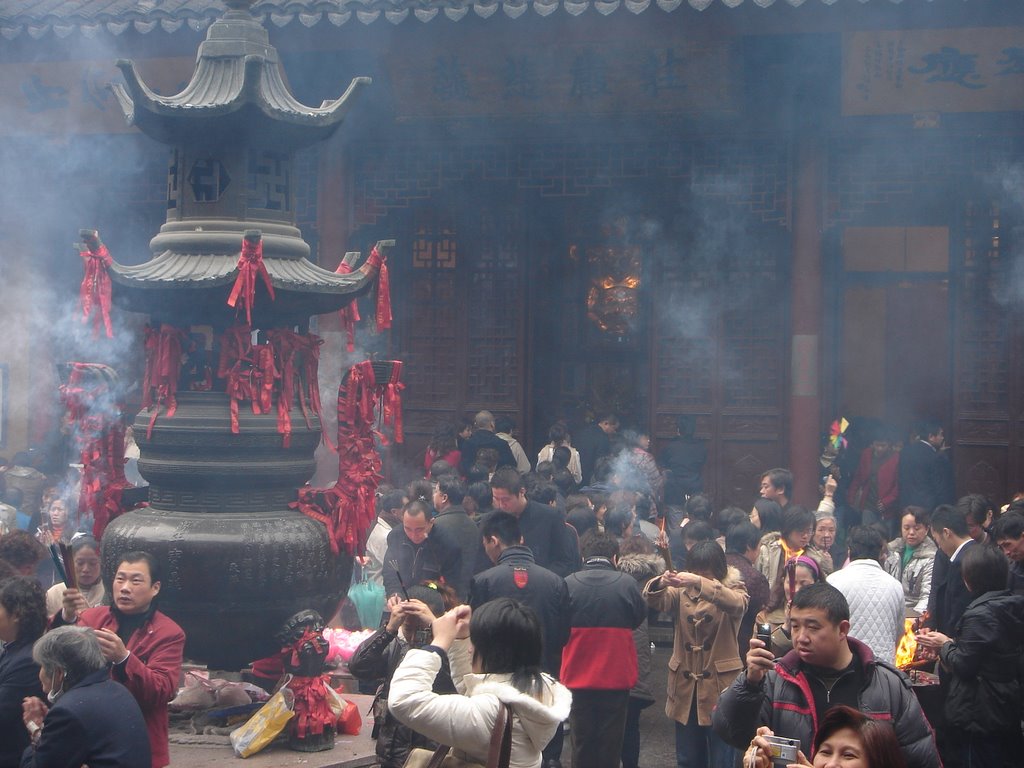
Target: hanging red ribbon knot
{"type": "Point", "coordinates": [163, 368]}
{"type": "Point", "coordinates": [94, 292]}
{"type": "Point", "coordinates": [99, 435]}
{"type": "Point", "coordinates": [382, 318]}
{"type": "Point", "coordinates": [348, 315]}
{"type": "Point", "coordinates": [250, 265]}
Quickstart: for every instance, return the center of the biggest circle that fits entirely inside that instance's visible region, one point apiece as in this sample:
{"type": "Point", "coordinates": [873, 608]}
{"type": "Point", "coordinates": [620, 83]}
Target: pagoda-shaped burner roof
{"type": "Point", "coordinates": [236, 89]}
{"type": "Point", "coordinates": [196, 285]}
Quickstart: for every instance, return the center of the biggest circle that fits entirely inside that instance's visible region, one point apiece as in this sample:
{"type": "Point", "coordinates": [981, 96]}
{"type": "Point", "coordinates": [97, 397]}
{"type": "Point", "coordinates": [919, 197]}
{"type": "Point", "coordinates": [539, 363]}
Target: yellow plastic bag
{"type": "Point", "coordinates": [261, 729]}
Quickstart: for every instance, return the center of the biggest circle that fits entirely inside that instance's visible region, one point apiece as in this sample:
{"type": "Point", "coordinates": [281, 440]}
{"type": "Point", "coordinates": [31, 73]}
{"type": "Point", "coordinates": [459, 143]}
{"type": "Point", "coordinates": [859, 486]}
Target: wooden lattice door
{"type": "Point", "coordinates": [720, 353]}
{"type": "Point", "coordinates": [460, 331]}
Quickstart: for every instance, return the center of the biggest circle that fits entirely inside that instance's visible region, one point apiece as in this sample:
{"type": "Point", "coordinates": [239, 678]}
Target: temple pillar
{"type": "Point", "coordinates": [805, 349]}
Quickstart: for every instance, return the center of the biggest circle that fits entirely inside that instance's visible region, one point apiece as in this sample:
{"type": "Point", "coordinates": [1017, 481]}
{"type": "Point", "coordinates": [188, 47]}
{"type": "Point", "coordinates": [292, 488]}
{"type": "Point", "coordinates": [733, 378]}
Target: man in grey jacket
{"type": "Point", "coordinates": [825, 668]}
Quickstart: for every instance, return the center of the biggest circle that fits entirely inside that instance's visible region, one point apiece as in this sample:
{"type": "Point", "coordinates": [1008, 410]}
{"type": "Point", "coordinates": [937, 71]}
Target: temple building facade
{"type": "Point", "coordinates": [766, 215]}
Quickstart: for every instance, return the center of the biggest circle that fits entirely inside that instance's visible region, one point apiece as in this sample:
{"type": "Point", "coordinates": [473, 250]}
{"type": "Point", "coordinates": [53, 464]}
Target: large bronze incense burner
{"type": "Point", "coordinates": [238, 560]}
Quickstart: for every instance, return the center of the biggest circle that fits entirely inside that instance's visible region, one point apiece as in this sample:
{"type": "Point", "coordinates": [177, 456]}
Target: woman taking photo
{"type": "Point", "coordinates": [708, 601]}
{"type": "Point", "coordinates": [22, 621]}
{"type": "Point", "coordinates": [846, 738]}
{"type": "Point", "coordinates": [502, 667]}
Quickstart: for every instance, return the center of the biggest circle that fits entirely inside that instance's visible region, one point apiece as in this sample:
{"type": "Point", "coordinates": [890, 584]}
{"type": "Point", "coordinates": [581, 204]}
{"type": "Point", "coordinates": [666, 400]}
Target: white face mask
{"type": "Point", "coordinates": [55, 693]}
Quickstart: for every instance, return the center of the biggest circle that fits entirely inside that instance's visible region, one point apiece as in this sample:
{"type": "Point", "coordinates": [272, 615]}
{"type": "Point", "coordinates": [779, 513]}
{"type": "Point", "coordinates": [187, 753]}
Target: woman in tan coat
{"type": "Point", "coordinates": [708, 601]}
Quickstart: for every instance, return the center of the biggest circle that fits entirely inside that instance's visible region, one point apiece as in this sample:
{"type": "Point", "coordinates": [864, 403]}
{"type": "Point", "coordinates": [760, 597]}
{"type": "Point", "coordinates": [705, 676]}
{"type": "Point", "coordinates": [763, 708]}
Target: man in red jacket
{"type": "Point", "coordinates": [874, 489]}
{"type": "Point", "coordinates": [599, 663]}
{"type": "Point", "coordinates": [143, 646]}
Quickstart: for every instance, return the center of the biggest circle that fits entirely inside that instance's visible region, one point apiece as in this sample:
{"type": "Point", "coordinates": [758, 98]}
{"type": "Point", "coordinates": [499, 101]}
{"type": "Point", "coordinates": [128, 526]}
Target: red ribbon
{"type": "Point", "coordinates": [382, 318]}
{"type": "Point", "coordinates": [285, 344]}
{"type": "Point", "coordinates": [312, 710]}
{"type": "Point", "coordinates": [391, 404]}
{"type": "Point", "coordinates": [349, 314]}
{"type": "Point", "coordinates": [94, 292]}
{"type": "Point", "coordinates": [100, 436]}
{"type": "Point", "coordinates": [235, 360]}
{"type": "Point", "coordinates": [163, 367]}
{"type": "Point", "coordinates": [347, 508]}
{"type": "Point", "coordinates": [250, 265]}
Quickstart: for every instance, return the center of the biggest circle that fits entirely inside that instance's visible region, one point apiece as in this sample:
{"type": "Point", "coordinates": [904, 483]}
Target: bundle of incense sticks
{"type": "Point", "coordinates": [70, 579]}
{"type": "Point", "coordinates": [58, 564]}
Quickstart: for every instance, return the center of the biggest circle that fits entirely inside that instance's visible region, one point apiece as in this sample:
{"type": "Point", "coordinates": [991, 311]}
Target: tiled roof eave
{"type": "Point", "coordinates": [93, 18]}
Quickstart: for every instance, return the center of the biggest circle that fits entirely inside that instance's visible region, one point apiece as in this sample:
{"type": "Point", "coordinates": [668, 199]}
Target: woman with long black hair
{"type": "Point", "coordinates": [501, 667]}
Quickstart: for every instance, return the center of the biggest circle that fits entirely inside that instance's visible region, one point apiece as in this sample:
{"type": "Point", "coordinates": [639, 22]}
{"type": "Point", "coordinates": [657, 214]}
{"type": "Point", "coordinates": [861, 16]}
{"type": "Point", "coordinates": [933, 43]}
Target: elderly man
{"type": "Point", "coordinates": [92, 720]}
{"type": "Point", "coordinates": [484, 437]}
{"type": "Point", "coordinates": [143, 646]}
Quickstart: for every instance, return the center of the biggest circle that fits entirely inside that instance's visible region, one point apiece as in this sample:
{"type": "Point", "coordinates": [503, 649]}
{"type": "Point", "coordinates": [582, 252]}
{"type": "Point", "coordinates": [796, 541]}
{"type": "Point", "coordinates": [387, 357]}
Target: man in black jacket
{"type": "Point", "coordinates": [516, 574]}
{"type": "Point", "coordinates": [452, 522]}
{"type": "Point", "coordinates": [925, 474]}
{"type": "Point", "coordinates": [594, 441]}
{"type": "Point", "coordinates": [947, 602]}
{"type": "Point", "coordinates": [93, 720]}
{"type": "Point", "coordinates": [417, 553]}
{"type": "Point", "coordinates": [683, 457]}
{"type": "Point", "coordinates": [484, 437]}
{"type": "Point", "coordinates": [1008, 534]}
{"type": "Point", "coordinates": [949, 597]}
{"type": "Point", "coordinates": [544, 528]}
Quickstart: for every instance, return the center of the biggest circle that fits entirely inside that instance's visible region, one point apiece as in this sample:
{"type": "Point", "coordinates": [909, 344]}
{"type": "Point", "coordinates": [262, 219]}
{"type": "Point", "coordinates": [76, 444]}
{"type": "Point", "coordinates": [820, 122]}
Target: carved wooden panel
{"type": "Point", "coordinates": [989, 370]}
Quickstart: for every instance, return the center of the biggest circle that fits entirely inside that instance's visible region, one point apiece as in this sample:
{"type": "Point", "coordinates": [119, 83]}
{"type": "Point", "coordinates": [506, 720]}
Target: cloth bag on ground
{"type": "Point", "coordinates": [499, 753]}
{"type": "Point", "coordinates": [264, 726]}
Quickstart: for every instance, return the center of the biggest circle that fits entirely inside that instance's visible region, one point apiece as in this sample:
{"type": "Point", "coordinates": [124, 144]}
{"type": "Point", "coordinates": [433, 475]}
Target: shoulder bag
{"type": "Point", "coordinates": [498, 754]}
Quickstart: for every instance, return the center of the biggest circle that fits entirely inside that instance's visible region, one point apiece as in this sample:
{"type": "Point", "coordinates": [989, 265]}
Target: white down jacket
{"type": "Point", "coordinates": [465, 722]}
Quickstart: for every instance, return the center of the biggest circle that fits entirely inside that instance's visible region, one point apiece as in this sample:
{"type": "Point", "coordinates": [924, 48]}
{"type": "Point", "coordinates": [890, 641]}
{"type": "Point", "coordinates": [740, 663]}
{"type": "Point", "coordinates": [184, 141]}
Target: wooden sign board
{"type": "Point", "coordinates": [589, 79]}
{"type": "Point", "coordinates": [933, 70]}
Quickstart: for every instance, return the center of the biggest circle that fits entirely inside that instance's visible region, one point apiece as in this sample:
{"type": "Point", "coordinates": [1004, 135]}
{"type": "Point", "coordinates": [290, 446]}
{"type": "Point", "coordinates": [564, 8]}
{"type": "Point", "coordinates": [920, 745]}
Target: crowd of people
{"type": "Point", "coordinates": [85, 674]}
{"type": "Point", "coordinates": [519, 599]}
{"type": "Point", "coordinates": [786, 618]}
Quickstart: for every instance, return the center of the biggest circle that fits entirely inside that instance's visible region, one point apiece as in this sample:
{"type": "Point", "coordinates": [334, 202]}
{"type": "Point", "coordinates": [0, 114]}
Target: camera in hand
{"type": "Point", "coordinates": [783, 750]}
{"type": "Point", "coordinates": [764, 634]}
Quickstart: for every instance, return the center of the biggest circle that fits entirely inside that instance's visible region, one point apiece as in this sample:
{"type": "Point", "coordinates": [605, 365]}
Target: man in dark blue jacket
{"type": "Point", "coordinates": [93, 720]}
{"type": "Point", "coordinates": [516, 574]}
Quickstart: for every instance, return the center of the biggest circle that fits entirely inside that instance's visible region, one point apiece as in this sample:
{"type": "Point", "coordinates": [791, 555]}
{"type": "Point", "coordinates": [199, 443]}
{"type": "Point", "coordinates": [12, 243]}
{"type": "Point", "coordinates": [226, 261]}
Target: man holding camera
{"type": "Point", "coordinates": [826, 668]}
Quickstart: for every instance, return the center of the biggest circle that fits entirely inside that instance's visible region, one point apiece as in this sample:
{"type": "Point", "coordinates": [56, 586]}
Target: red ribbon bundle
{"type": "Point", "coordinates": [348, 315]}
{"type": "Point", "coordinates": [285, 344]}
{"type": "Point", "coordinates": [312, 710]}
{"type": "Point", "coordinates": [163, 368]}
{"type": "Point", "coordinates": [250, 265]}
{"type": "Point", "coordinates": [250, 371]}
{"type": "Point", "coordinates": [391, 403]}
{"type": "Point", "coordinates": [100, 435]}
{"type": "Point", "coordinates": [347, 508]}
{"type": "Point", "coordinates": [382, 317]}
{"type": "Point", "coordinates": [94, 292]}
